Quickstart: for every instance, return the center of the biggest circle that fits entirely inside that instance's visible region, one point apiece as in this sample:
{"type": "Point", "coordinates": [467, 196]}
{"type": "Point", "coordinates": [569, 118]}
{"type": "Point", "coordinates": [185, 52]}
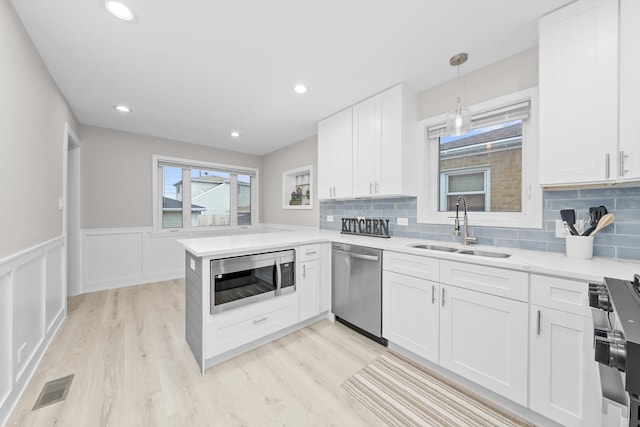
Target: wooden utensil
{"type": "Point", "coordinates": [606, 220]}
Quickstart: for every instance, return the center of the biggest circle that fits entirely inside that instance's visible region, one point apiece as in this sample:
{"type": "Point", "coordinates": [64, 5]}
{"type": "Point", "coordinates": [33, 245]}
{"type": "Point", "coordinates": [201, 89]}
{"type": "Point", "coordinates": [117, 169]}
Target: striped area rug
{"type": "Point", "coordinates": [402, 393]}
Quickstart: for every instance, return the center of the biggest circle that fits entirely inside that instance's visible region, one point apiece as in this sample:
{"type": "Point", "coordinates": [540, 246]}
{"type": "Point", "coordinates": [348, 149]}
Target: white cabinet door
{"type": "Point", "coordinates": [410, 312]}
{"type": "Point", "coordinates": [629, 160]}
{"type": "Point", "coordinates": [564, 385]}
{"type": "Point", "coordinates": [484, 339]}
{"type": "Point", "coordinates": [366, 146]}
{"type": "Point", "coordinates": [335, 156]}
{"type": "Point", "coordinates": [579, 93]}
{"type": "Point", "coordinates": [381, 145]}
{"type": "Point", "coordinates": [308, 287]}
{"type": "Point", "coordinates": [388, 162]}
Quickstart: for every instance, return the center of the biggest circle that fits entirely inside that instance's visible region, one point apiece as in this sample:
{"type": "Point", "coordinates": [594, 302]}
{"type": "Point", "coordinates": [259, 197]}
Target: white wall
{"type": "Point", "coordinates": [116, 176]}
{"type": "Point", "coordinates": [512, 74]}
{"type": "Point", "coordinates": [293, 156]}
{"type": "Point", "coordinates": [32, 247]}
{"type": "Point", "coordinates": [31, 139]}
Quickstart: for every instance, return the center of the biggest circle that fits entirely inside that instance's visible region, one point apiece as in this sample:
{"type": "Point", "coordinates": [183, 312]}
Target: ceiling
{"type": "Point", "coordinates": [195, 70]}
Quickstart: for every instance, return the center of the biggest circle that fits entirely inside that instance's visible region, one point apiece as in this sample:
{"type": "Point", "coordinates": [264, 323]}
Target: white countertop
{"type": "Point", "coordinates": [551, 263]}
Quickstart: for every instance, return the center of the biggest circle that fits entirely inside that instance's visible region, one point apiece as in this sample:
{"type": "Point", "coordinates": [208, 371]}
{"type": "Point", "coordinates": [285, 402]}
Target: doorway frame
{"type": "Point", "coordinates": [70, 205]}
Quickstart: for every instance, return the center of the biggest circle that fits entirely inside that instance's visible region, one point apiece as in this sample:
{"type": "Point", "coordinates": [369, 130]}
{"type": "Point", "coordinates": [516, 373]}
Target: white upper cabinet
{"type": "Point", "coordinates": [383, 144]}
{"type": "Point", "coordinates": [335, 156]}
{"type": "Point", "coordinates": [629, 156]}
{"type": "Point", "coordinates": [370, 150]}
{"type": "Point", "coordinates": [579, 93]}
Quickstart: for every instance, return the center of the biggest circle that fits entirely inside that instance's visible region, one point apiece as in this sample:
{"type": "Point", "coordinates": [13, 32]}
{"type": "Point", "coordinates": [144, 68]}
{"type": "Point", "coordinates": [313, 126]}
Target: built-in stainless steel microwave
{"type": "Point", "coordinates": [242, 280]}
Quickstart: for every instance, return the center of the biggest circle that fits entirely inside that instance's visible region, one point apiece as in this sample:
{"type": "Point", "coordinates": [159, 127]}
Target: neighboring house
{"type": "Point", "coordinates": [211, 194]}
{"type": "Point", "coordinates": [486, 168]}
{"type": "Point", "coordinates": [172, 213]}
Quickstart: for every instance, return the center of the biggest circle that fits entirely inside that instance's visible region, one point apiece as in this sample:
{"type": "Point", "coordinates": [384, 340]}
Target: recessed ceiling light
{"type": "Point", "coordinates": [119, 10]}
{"type": "Point", "coordinates": [122, 108]}
{"type": "Point", "coordinates": [300, 89]}
{"type": "Point", "coordinates": [235, 134]}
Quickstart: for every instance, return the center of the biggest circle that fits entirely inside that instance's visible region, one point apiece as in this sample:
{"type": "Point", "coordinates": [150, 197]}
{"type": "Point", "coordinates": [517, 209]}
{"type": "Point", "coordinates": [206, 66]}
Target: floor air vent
{"type": "Point", "coordinates": [53, 391]}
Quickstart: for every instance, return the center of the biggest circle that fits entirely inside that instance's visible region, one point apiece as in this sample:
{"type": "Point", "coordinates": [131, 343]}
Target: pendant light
{"type": "Point", "coordinates": [458, 120]}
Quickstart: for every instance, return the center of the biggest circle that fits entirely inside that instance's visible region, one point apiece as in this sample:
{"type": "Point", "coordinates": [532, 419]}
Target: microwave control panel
{"type": "Point", "coordinates": [288, 274]}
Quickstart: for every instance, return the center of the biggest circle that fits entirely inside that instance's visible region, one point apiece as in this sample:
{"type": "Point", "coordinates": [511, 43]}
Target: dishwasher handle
{"type": "Point", "coordinates": [359, 256]}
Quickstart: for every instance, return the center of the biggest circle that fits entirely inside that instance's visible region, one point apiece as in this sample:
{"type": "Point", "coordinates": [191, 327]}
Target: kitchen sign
{"type": "Point", "coordinates": [366, 227]}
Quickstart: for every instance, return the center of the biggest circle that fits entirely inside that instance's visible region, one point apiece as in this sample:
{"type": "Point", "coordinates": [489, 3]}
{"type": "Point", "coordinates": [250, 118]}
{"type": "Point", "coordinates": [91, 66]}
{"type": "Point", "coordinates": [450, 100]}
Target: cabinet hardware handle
{"type": "Point", "coordinates": [370, 188]}
{"type": "Point", "coordinates": [606, 165]}
{"type": "Point", "coordinates": [311, 252]}
{"type": "Point", "coordinates": [443, 297]}
{"type": "Point", "coordinates": [433, 294]}
{"type": "Point", "coordinates": [376, 187]}
{"type": "Point", "coordinates": [259, 320]}
{"type": "Point", "coordinates": [622, 169]}
{"type": "Point", "coordinates": [304, 270]}
{"type": "Point", "coordinates": [334, 191]}
{"type": "Point", "coordinates": [538, 322]}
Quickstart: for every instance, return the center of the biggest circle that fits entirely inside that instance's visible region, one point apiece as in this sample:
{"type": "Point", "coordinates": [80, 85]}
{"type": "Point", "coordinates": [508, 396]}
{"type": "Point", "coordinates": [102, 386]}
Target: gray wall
{"type": "Point", "coordinates": [293, 156]}
{"type": "Point", "coordinates": [512, 74]}
{"type": "Point", "coordinates": [116, 174]}
{"type": "Point", "coordinates": [32, 139]}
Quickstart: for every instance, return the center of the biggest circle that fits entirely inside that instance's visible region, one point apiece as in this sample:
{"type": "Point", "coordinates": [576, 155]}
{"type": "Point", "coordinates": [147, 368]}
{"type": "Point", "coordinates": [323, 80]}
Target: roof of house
{"type": "Point", "coordinates": [173, 204]}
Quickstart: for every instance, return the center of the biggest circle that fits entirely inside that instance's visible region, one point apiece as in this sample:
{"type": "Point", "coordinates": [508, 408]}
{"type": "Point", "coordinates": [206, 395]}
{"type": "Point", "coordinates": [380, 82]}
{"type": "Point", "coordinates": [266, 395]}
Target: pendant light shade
{"type": "Point", "coordinates": [458, 120]}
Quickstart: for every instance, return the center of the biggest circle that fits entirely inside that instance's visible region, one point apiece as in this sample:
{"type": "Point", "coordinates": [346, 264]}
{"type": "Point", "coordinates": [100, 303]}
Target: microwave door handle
{"type": "Point", "coordinates": [278, 277]}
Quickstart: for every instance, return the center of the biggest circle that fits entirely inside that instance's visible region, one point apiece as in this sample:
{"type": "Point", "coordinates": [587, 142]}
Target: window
{"type": "Point", "coordinates": [494, 166]}
{"type": "Point", "coordinates": [471, 183]}
{"type": "Point", "coordinates": [197, 195]}
{"type": "Point", "coordinates": [296, 188]}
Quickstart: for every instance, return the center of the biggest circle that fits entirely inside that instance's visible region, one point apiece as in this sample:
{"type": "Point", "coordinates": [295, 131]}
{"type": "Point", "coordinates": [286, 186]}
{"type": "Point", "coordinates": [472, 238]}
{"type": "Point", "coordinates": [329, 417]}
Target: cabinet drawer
{"type": "Point", "coordinates": [412, 265]}
{"type": "Point", "coordinates": [562, 294]}
{"type": "Point", "coordinates": [489, 280]}
{"type": "Point", "coordinates": [235, 328]}
{"type": "Point", "coordinates": [308, 252]}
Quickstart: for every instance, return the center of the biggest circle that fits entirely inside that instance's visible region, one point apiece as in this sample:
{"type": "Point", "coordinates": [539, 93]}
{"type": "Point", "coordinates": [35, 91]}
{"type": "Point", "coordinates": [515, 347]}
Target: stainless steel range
{"type": "Point", "coordinates": [616, 316]}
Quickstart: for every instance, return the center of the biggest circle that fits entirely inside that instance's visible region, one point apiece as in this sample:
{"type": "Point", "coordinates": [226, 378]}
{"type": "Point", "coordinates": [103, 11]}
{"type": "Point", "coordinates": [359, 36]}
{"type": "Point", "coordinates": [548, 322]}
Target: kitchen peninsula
{"type": "Point", "coordinates": [438, 290]}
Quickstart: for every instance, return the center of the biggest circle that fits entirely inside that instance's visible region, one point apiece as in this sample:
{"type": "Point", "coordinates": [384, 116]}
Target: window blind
{"type": "Point", "coordinates": [204, 167]}
{"type": "Point", "coordinates": [518, 111]}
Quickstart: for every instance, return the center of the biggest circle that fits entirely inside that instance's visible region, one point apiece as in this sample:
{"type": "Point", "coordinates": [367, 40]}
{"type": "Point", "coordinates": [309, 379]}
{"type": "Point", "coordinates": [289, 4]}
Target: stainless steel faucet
{"type": "Point", "coordinates": [465, 227]}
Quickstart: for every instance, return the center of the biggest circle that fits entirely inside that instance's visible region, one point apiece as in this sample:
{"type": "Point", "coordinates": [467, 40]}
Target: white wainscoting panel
{"type": "Point", "coordinates": [28, 312]}
{"type": "Point", "coordinates": [55, 286]}
{"type": "Point", "coordinates": [6, 364]}
{"type": "Point", "coordinates": [118, 257]}
{"type": "Point", "coordinates": [163, 254]}
{"type": "Point", "coordinates": [113, 256]}
{"type": "Point", "coordinates": [32, 308]}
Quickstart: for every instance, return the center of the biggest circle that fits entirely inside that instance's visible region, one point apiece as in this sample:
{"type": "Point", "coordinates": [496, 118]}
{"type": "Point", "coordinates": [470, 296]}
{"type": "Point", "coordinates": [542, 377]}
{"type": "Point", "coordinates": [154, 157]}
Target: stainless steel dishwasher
{"type": "Point", "coordinates": [356, 288]}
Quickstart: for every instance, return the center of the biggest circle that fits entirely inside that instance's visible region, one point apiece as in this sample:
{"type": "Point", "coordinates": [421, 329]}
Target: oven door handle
{"type": "Point", "coordinates": [278, 277]}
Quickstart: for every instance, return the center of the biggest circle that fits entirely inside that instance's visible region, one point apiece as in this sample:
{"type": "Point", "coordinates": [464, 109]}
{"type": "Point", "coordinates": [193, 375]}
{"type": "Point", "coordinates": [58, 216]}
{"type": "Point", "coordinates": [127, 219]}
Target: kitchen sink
{"type": "Point", "coordinates": [433, 247]}
{"type": "Point", "coordinates": [459, 251]}
{"type": "Point", "coordinates": [483, 253]}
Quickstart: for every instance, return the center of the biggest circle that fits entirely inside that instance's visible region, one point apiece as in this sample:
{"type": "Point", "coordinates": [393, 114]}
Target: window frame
{"type": "Point", "coordinates": [531, 213]}
{"type": "Point", "coordinates": [157, 191]}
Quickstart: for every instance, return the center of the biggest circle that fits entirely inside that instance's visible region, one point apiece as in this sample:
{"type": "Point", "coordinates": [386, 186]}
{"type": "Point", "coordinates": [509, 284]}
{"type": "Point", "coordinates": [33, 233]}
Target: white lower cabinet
{"type": "Point", "coordinates": [234, 328]}
{"type": "Point", "coordinates": [308, 286]}
{"type": "Point", "coordinates": [564, 384]}
{"type": "Point", "coordinates": [410, 314]}
{"type": "Point", "coordinates": [561, 361]}
{"type": "Point", "coordinates": [484, 339]}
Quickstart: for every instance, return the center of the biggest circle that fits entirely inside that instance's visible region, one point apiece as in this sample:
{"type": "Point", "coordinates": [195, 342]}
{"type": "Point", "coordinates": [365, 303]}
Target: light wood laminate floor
{"type": "Point", "coordinates": [133, 367]}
